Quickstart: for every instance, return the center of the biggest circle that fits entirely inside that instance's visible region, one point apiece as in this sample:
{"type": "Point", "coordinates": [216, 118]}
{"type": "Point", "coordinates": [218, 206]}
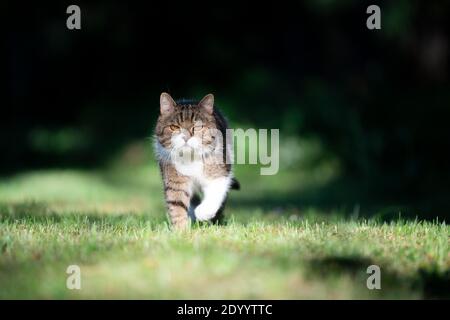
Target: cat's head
{"type": "Point", "coordinates": [186, 129]}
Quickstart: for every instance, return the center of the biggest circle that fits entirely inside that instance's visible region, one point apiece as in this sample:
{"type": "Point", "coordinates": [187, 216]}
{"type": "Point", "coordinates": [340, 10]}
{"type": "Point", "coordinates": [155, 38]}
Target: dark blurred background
{"type": "Point", "coordinates": [378, 100]}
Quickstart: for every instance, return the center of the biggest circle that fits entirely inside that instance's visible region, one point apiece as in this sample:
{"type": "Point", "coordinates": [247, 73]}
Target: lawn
{"type": "Point", "coordinates": [111, 223]}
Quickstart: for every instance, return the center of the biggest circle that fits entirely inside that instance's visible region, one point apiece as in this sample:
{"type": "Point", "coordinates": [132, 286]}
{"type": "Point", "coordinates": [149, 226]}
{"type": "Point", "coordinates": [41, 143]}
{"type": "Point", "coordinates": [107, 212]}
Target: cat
{"type": "Point", "coordinates": [193, 152]}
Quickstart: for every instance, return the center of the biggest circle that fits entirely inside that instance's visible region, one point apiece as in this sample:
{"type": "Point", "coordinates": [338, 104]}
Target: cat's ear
{"type": "Point", "coordinates": [207, 103]}
{"type": "Point", "coordinates": [166, 104]}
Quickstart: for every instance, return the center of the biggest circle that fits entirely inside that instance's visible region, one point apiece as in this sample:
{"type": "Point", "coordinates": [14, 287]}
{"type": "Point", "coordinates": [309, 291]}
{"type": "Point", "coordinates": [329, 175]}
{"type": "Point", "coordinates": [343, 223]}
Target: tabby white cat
{"type": "Point", "coordinates": [188, 137]}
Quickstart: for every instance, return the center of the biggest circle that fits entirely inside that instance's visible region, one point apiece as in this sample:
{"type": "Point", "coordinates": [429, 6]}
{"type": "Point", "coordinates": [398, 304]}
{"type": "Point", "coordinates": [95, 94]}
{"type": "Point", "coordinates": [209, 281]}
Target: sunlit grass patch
{"type": "Point", "coordinates": [112, 224]}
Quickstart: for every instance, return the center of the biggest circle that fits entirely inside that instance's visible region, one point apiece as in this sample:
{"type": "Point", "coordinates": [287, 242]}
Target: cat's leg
{"type": "Point", "coordinates": [214, 193]}
{"type": "Point", "coordinates": [219, 218]}
{"type": "Point", "coordinates": [177, 190]}
{"type": "Point", "coordinates": [195, 201]}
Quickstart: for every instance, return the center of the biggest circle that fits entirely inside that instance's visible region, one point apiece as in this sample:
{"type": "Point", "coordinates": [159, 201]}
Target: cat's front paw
{"type": "Point", "coordinates": [205, 212]}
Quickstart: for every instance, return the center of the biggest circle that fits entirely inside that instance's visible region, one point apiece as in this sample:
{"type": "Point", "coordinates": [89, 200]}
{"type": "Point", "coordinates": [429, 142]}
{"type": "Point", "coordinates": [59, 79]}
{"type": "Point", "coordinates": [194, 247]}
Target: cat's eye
{"type": "Point", "coordinates": [174, 127]}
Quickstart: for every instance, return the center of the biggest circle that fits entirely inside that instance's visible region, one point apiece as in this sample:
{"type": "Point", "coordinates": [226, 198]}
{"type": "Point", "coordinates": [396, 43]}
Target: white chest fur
{"type": "Point", "coordinates": [191, 169]}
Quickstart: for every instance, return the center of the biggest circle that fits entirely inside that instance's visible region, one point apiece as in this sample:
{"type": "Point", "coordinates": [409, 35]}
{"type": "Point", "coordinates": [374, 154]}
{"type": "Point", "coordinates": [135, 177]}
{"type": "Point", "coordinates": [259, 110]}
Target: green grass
{"type": "Point", "coordinates": [112, 224]}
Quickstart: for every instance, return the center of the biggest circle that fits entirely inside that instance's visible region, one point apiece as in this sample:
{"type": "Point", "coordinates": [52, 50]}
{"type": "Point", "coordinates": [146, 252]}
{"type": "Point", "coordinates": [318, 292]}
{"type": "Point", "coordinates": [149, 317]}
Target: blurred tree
{"type": "Point", "coordinates": [378, 99]}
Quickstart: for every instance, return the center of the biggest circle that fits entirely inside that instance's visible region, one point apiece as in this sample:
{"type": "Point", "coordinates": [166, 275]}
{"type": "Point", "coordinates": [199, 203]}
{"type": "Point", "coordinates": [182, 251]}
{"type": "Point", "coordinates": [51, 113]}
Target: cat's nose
{"type": "Point", "coordinates": [186, 137]}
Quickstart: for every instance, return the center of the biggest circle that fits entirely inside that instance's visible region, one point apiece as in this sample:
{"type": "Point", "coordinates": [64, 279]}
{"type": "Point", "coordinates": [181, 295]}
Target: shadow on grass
{"type": "Point", "coordinates": [351, 199]}
{"type": "Point", "coordinates": [39, 212]}
{"type": "Point", "coordinates": [430, 283]}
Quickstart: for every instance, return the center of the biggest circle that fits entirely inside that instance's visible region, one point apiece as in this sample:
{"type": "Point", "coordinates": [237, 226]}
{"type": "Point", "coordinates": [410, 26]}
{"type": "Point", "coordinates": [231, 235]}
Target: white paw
{"type": "Point", "coordinates": [205, 212]}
